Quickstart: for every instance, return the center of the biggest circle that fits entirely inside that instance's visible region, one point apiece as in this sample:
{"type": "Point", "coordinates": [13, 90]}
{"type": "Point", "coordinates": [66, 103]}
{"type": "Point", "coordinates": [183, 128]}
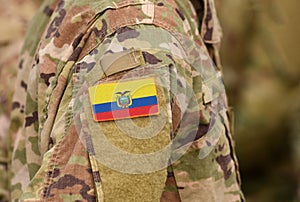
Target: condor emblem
{"type": "Point", "coordinates": [124, 100]}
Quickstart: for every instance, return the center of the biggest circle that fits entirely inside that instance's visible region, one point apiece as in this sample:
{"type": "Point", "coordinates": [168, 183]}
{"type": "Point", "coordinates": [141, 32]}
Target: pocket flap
{"type": "Point", "coordinates": [121, 61]}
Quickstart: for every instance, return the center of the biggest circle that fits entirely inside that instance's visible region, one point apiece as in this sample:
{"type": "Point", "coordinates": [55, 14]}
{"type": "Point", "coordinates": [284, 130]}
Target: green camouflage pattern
{"type": "Point", "coordinates": [60, 154]}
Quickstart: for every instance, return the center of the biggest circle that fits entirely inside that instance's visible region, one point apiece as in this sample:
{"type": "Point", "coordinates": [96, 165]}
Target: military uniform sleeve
{"type": "Point", "coordinates": [23, 148]}
{"type": "Point", "coordinates": [124, 103]}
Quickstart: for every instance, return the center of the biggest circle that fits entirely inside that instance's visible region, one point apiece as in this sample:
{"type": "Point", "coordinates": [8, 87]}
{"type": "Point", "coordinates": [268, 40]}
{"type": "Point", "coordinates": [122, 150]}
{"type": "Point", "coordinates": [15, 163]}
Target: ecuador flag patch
{"type": "Point", "coordinates": [124, 99]}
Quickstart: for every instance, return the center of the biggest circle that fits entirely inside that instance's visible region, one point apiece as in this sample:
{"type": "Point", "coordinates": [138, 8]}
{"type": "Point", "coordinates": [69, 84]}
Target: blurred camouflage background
{"type": "Point", "coordinates": [261, 62]}
{"type": "Point", "coordinates": [14, 17]}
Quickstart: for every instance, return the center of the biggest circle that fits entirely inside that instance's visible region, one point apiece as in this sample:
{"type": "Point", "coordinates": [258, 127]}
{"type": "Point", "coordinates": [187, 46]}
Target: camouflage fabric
{"type": "Point", "coordinates": [14, 17]}
{"type": "Point", "coordinates": [59, 153]}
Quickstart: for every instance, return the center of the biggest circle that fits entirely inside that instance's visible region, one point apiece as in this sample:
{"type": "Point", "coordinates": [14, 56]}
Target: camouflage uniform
{"type": "Point", "coordinates": [61, 154]}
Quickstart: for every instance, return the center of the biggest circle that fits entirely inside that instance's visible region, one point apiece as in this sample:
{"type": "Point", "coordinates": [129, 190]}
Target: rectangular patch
{"type": "Point", "coordinates": [124, 99]}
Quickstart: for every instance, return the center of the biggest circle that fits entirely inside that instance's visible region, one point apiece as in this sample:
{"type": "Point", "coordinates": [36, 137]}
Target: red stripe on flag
{"type": "Point", "coordinates": [127, 113]}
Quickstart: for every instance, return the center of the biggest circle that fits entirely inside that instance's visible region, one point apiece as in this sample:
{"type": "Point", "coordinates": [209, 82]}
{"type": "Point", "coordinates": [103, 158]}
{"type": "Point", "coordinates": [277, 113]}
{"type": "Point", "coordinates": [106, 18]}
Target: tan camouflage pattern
{"type": "Point", "coordinates": [14, 16]}
{"type": "Point", "coordinates": [57, 149]}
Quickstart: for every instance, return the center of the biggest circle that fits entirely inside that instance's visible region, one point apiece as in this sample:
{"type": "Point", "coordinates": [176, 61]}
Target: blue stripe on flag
{"type": "Point", "coordinates": [137, 102]}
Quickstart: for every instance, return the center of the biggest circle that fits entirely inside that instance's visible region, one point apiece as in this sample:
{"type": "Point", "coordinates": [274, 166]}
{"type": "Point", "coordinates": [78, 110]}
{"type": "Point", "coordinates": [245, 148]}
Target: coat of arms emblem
{"type": "Point", "coordinates": [124, 99]}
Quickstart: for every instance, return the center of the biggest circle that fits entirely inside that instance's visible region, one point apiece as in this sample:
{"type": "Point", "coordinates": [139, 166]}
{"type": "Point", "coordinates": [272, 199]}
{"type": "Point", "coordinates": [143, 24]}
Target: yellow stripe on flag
{"type": "Point", "coordinates": [106, 92]}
